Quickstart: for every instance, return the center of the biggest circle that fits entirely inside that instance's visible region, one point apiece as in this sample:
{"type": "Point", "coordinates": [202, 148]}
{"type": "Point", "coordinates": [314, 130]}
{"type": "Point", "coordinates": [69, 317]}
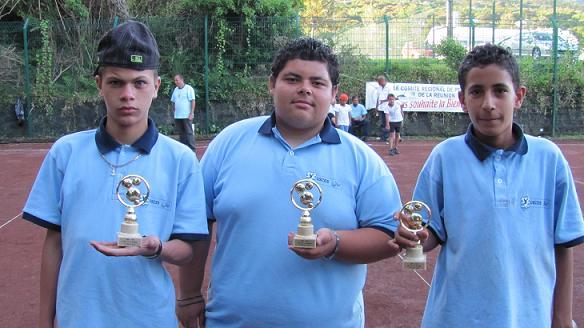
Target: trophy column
{"type": "Point", "coordinates": [412, 220]}
{"type": "Point", "coordinates": [133, 197]}
{"type": "Point", "coordinates": [303, 191]}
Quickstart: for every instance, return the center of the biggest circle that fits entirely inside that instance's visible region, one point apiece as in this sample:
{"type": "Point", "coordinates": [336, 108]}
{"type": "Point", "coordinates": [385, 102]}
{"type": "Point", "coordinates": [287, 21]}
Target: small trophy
{"type": "Point", "coordinates": [133, 197]}
{"type": "Point", "coordinates": [411, 220]}
{"type": "Point", "coordinates": [305, 238]}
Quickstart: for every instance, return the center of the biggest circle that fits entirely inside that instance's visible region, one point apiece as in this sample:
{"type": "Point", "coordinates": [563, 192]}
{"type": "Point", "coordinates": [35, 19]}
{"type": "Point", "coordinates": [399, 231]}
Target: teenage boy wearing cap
{"type": "Point", "coordinates": [74, 198]}
{"type": "Point", "coordinates": [342, 113]}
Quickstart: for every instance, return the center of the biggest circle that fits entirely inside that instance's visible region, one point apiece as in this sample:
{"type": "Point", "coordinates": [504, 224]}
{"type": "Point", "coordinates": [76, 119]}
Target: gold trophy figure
{"type": "Point", "coordinates": [303, 190]}
{"type": "Point", "coordinates": [411, 219]}
{"type": "Point", "coordinates": [133, 197]}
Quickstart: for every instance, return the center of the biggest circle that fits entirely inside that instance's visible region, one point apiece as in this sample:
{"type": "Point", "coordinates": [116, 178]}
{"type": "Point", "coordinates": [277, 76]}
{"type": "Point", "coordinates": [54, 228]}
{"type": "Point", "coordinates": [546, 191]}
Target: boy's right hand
{"type": "Point", "coordinates": [406, 238]}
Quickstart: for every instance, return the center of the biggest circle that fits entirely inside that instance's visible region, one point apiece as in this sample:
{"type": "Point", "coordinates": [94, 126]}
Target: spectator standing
{"type": "Point", "coordinates": [343, 113]}
{"type": "Point", "coordinates": [394, 118]}
{"type": "Point", "coordinates": [183, 98]}
{"type": "Point", "coordinates": [381, 93]}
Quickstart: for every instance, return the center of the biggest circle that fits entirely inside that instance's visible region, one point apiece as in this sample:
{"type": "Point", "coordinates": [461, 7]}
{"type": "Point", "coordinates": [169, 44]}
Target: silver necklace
{"type": "Point", "coordinates": [117, 166]}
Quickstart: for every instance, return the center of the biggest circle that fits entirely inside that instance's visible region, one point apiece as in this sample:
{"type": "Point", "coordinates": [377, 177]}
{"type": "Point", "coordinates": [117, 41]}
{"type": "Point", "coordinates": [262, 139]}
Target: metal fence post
{"type": "Point", "coordinates": [520, 28]}
{"type": "Point", "coordinates": [493, 13]}
{"type": "Point", "coordinates": [387, 65]}
{"type": "Point", "coordinates": [206, 73]}
{"type": "Point", "coordinates": [27, 96]}
{"type": "Point", "coordinates": [555, 70]}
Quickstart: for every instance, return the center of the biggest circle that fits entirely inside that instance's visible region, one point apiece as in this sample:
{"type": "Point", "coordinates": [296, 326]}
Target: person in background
{"type": "Point", "coordinates": [183, 98]}
{"type": "Point", "coordinates": [381, 93]}
{"type": "Point", "coordinates": [359, 121]}
{"type": "Point", "coordinates": [394, 117]}
{"type": "Point", "coordinates": [343, 113]}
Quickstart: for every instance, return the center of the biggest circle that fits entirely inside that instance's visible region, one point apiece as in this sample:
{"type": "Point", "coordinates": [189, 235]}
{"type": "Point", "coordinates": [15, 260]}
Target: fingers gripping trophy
{"type": "Point", "coordinates": [303, 190]}
{"type": "Point", "coordinates": [411, 219]}
{"type": "Point", "coordinates": [137, 191]}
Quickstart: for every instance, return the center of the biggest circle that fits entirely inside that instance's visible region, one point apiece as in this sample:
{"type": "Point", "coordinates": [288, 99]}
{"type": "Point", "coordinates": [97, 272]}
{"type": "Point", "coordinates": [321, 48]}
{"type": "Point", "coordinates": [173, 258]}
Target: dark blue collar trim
{"type": "Point", "coordinates": [106, 143]}
{"type": "Point", "coordinates": [328, 134]}
{"type": "Point", "coordinates": [483, 151]}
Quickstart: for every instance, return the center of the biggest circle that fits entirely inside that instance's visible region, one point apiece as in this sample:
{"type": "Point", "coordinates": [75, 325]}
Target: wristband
{"type": "Point", "coordinates": [334, 252]}
{"type": "Point", "coordinates": [157, 253]}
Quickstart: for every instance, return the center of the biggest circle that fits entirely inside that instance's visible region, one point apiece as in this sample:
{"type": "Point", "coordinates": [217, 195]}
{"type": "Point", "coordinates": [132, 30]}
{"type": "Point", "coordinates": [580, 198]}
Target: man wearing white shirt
{"type": "Point", "coordinates": [382, 91]}
{"type": "Point", "coordinates": [183, 98]}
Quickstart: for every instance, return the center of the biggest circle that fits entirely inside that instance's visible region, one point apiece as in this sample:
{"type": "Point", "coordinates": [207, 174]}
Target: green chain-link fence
{"type": "Point", "coordinates": [49, 64]}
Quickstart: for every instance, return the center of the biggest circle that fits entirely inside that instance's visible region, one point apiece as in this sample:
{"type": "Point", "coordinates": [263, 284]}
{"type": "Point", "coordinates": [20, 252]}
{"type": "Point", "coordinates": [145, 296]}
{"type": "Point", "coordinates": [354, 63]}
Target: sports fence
{"type": "Point", "coordinates": [48, 64]}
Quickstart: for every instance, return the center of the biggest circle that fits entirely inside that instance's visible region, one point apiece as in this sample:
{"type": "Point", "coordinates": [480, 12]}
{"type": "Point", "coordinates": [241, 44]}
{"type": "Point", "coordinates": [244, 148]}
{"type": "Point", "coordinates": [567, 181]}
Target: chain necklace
{"type": "Point", "coordinates": [117, 166]}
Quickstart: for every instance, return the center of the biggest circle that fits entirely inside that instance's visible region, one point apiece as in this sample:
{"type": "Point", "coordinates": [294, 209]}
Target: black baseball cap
{"type": "Point", "coordinates": [128, 45]}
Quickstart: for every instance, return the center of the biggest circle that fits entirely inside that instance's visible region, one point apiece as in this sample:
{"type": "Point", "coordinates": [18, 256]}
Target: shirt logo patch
{"type": "Point", "coordinates": [527, 202]}
{"type": "Point", "coordinates": [329, 181]}
{"type": "Point", "coordinates": [136, 59]}
{"type": "Point", "coordinates": [163, 204]}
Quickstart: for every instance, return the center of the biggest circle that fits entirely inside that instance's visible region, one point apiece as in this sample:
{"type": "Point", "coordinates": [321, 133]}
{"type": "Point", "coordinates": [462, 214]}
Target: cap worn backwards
{"type": "Point", "coordinates": [129, 45]}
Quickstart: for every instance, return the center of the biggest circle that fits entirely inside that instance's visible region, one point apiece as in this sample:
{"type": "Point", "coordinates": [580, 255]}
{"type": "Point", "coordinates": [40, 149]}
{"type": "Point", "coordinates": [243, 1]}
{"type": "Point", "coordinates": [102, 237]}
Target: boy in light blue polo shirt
{"type": "Point", "coordinates": [74, 197]}
{"type": "Point", "coordinates": [257, 278]}
{"type": "Point", "coordinates": [505, 211]}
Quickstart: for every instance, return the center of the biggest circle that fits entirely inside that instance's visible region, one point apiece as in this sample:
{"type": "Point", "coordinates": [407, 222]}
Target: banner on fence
{"type": "Point", "coordinates": [419, 97]}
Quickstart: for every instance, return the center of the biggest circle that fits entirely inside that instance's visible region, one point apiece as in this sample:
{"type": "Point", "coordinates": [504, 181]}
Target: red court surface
{"type": "Point", "coordinates": [393, 297]}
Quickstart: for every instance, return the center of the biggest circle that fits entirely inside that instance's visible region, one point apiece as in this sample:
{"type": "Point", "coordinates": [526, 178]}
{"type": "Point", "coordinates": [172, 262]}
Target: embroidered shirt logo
{"type": "Point", "coordinates": [331, 182]}
{"type": "Point", "coordinates": [527, 202]}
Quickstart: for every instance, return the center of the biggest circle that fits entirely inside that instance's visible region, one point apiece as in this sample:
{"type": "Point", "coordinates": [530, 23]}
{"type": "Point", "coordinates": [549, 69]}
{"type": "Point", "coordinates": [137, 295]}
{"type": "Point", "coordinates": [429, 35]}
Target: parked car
{"type": "Point", "coordinates": [537, 44]}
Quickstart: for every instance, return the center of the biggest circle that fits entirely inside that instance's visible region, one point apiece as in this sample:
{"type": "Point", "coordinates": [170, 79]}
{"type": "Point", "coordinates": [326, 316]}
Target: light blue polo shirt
{"type": "Point", "coordinates": [498, 214]}
{"type": "Point", "coordinates": [256, 281]}
{"type": "Point", "coordinates": [74, 193]}
{"type": "Point", "coordinates": [358, 111]}
{"type": "Point", "coordinates": [182, 98]}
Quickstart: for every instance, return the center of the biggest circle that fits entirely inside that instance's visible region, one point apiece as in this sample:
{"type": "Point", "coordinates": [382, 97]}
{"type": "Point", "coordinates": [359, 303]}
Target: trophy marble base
{"type": "Point", "coordinates": [301, 241]}
{"type": "Point", "coordinates": [129, 240]}
{"type": "Point", "coordinates": [415, 259]}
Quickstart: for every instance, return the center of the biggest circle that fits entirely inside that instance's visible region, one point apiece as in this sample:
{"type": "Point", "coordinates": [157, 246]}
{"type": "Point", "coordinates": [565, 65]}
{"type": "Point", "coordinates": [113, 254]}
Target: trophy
{"type": "Point", "coordinates": [134, 196]}
{"type": "Point", "coordinates": [302, 189]}
{"type": "Point", "coordinates": [411, 219]}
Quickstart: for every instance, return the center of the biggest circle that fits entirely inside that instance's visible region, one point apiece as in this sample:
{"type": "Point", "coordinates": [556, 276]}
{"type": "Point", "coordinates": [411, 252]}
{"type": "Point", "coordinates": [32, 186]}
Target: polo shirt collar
{"type": "Point", "coordinates": [106, 143]}
{"type": "Point", "coordinates": [328, 134]}
{"type": "Point", "coordinates": [483, 151]}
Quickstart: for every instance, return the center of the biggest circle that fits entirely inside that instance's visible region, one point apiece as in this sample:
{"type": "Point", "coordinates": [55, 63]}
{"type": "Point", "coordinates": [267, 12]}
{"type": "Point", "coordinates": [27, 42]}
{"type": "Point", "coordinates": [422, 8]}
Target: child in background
{"type": "Point", "coordinates": [342, 113]}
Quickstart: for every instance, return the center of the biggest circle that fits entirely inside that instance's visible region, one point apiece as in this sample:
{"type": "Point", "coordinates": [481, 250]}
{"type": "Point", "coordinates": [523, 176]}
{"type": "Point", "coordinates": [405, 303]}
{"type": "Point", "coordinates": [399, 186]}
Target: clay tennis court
{"type": "Point", "coordinates": [393, 297]}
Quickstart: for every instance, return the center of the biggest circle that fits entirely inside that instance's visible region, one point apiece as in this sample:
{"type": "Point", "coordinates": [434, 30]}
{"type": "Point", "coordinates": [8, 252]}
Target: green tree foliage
{"type": "Point", "coordinates": [452, 51]}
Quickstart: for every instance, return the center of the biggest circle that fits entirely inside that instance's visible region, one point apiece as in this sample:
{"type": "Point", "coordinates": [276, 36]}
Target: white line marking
{"type": "Point", "coordinates": [416, 272]}
{"type": "Point", "coordinates": [14, 218]}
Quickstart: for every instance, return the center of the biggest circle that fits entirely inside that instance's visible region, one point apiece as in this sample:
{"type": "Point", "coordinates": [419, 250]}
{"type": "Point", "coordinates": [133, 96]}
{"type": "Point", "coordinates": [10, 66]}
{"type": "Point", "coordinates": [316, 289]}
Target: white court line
{"type": "Point", "coordinates": [578, 181]}
{"type": "Point", "coordinates": [14, 218]}
{"type": "Point", "coordinates": [416, 272]}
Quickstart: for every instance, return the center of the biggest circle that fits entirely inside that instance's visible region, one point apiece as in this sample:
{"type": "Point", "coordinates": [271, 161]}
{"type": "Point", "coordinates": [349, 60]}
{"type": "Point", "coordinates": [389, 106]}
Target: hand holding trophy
{"type": "Point", "coordinates": [303, 191]}
{"type": "Point", "coordinates": [412, 220]}
{"type": "Point", "coordinates": [137, 193]}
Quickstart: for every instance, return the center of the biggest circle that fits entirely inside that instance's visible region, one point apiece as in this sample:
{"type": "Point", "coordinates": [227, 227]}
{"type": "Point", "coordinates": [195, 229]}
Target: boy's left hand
{"type": "Point", "coordinates": [325, 245]}
{"type": "Point", "coordinates": [149, 247]}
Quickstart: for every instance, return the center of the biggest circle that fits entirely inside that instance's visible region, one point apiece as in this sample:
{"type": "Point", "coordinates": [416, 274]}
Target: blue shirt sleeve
{"type": "Point", "coordinates": [43, 206]}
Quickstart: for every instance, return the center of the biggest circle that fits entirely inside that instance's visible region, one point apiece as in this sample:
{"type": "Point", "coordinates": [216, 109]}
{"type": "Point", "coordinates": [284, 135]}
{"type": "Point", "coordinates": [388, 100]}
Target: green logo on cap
{"type": "Point", "coordinates": [136, 59]}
